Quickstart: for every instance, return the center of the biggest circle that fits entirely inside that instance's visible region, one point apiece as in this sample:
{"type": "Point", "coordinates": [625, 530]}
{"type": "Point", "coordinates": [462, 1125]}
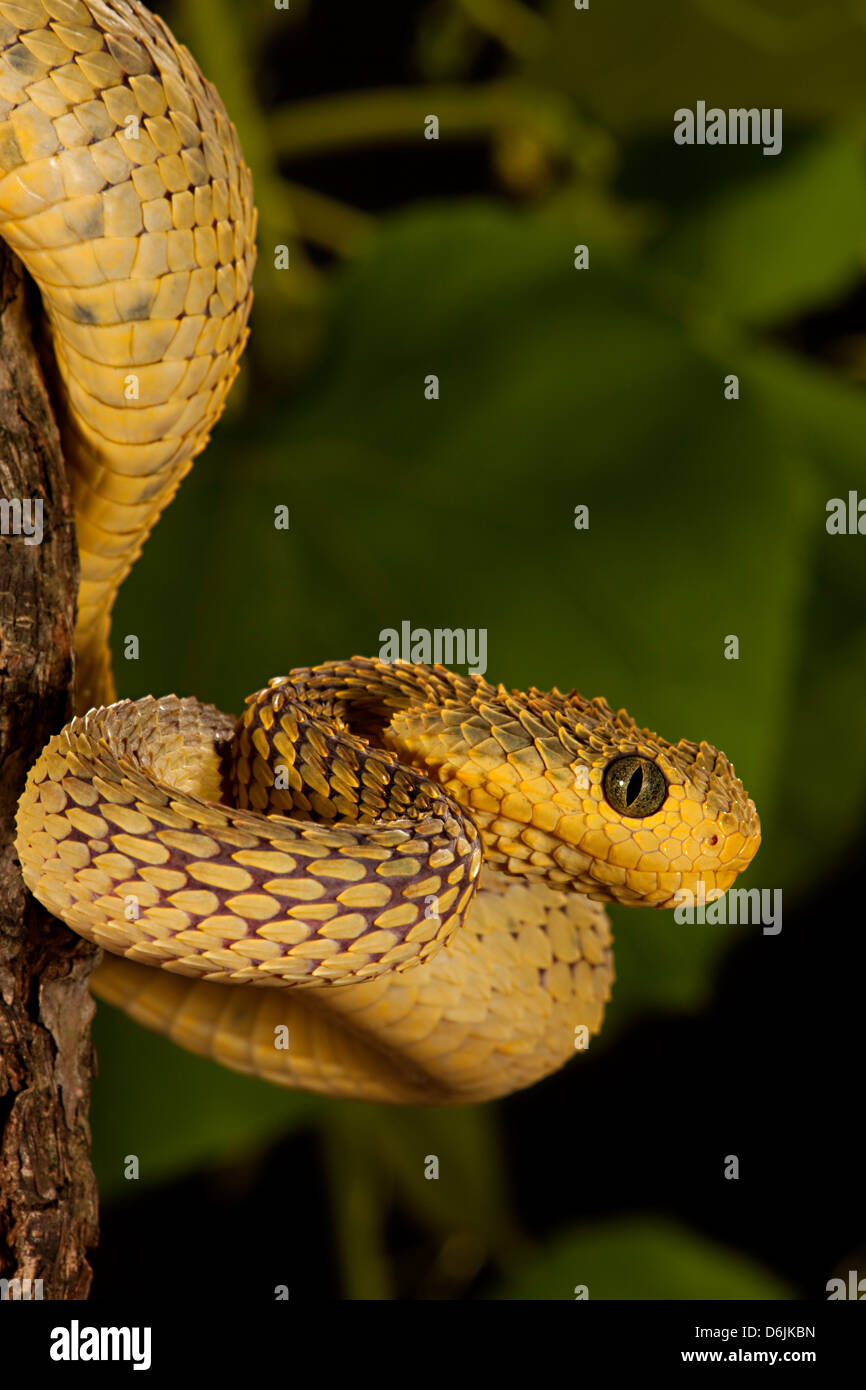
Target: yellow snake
{"type": "Point", "coordinates": [385, 881]}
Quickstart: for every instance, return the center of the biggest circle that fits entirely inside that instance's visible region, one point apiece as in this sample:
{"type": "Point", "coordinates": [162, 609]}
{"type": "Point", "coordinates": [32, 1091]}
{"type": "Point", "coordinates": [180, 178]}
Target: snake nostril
{"type": "Point", "coordinates": [713, 840]}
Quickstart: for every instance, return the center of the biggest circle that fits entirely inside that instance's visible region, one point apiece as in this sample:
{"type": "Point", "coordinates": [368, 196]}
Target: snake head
{"type": "Point", "coordinates": [655, 818]}
{"type": "Point", "coordinates": [564, 789]}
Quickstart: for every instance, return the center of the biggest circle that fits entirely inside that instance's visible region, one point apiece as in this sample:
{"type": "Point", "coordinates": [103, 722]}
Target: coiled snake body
{"type": "Point", "coordinates": [385, 881]}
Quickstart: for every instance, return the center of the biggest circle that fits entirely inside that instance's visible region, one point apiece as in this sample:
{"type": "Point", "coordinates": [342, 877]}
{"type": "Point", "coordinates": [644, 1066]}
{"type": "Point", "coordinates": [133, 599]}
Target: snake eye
{"type": "Point", "coordinates": [634, 786]}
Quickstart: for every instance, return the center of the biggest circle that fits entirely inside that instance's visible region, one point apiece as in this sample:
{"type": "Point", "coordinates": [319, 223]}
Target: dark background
{"type": "Point", "coordinates": [707, 518]}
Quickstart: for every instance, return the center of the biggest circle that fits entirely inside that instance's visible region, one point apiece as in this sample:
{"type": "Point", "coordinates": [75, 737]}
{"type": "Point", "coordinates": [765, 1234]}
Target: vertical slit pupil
{"type": "Point", "coordinates": [632, 791]}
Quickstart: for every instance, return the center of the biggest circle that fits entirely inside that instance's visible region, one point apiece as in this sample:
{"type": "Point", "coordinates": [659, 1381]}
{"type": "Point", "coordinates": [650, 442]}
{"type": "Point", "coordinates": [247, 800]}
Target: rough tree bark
{"type": "Point", "coordinates": [48, 1203]}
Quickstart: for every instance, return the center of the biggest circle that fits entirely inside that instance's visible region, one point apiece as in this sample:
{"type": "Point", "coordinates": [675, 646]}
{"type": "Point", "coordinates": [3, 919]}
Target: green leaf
{"type": "Point", "coordinates": [176, 1112]}
{"type": "Point", "coordinates": [821, 794]}
{"type": "Point", "coordinates": [642, 1258]}
{"type": "Point", "coordinates": [777, 245]}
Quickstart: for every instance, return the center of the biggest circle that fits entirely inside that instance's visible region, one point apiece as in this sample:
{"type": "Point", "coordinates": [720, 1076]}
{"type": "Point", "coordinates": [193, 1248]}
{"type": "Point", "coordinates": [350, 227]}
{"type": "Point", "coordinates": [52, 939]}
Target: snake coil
{"type": "Point", "coordinates": [403, 867]}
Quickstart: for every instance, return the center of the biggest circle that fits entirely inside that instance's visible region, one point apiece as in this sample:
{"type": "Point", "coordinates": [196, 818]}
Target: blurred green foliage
{"type": "Point", "coordinates": [558, 387]}
{"type": "Point", "coordinates": [641, 1258]}
{"type": "Point", "coordinates": [633, 63]}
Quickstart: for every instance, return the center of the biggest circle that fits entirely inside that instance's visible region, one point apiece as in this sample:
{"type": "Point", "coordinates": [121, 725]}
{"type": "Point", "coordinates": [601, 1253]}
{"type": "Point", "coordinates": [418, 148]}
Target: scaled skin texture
{"type": "Point", "coordinates": [124, 192]}
{"type": "Point", "coordinates": [413, 944]}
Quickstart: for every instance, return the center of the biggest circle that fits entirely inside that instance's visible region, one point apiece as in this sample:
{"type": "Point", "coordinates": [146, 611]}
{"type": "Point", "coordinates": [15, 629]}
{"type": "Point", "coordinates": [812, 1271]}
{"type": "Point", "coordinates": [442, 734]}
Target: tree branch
{"type": "Point", "coordinates": [48, 1200]}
